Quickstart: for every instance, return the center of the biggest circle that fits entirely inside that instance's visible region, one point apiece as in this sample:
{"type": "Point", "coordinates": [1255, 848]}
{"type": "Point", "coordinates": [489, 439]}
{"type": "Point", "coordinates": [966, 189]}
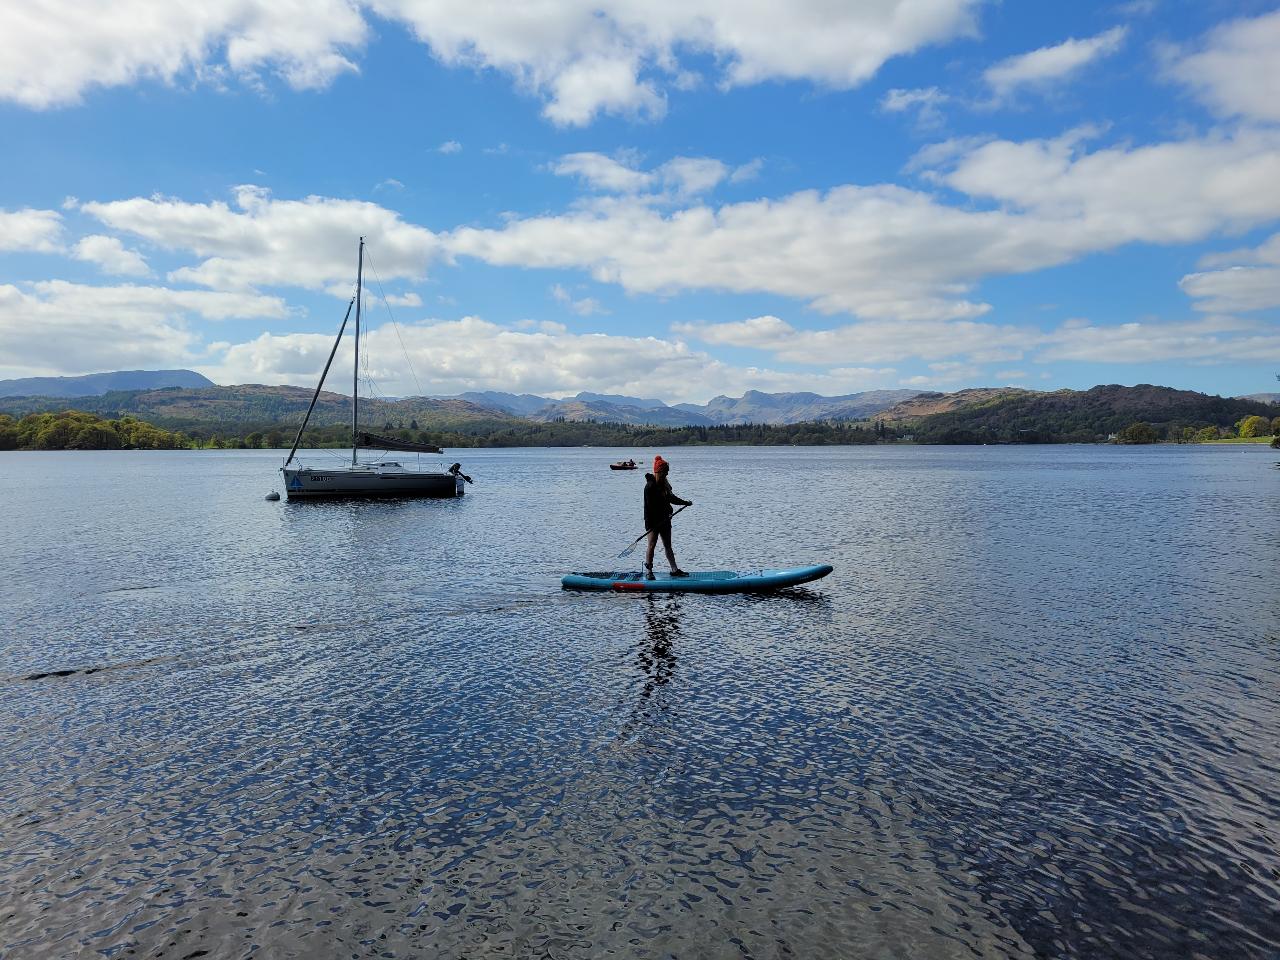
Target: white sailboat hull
{"type": "Point", "coordinates": [306, 482]}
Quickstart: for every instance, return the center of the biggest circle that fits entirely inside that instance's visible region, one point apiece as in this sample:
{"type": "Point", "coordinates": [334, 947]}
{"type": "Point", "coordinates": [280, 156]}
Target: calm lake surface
{"type": "Point", "coordinates": [1035, 712]}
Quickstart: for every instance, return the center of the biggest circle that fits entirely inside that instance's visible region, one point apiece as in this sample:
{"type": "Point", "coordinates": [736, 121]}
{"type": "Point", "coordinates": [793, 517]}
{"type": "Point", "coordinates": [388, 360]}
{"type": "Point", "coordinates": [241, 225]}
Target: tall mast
{"type": "Point", "coordinates": [355, 371]}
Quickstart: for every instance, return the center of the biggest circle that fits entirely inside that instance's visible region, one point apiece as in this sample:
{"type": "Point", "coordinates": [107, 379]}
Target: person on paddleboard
{"type": "Point", "coordinates": [658, 498]}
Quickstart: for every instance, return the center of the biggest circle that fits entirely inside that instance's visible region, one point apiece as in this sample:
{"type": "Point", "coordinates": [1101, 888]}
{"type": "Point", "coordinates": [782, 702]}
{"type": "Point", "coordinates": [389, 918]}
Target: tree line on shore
{"type": "Point", "coordinates": [74, 430]}
{"type": "Point", "coordinates": [1247, 428]}
{"type": "Point", "coordinates": [78, 430]}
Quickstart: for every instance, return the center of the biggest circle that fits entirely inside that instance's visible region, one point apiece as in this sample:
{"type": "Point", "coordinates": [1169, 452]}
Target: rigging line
{"type": "Point", "coordinates": [395, 326]}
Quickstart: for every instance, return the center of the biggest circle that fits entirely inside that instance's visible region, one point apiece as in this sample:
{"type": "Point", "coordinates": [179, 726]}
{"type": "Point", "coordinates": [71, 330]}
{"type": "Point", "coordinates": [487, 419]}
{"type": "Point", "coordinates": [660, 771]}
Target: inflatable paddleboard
{"type": "Point", "coordinates": [706, 581]}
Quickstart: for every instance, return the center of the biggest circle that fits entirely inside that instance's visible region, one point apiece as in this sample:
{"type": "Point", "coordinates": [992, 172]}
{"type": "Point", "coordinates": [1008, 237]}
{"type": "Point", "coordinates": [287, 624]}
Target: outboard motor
{"type": "Point", "coordinates": [456, 470]}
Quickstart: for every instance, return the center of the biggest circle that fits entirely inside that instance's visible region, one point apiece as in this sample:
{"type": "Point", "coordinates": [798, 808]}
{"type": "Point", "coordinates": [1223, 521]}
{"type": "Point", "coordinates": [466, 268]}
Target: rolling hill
{"type": "Point", "coordinates": [254, 406]}
{"type": "Point", "coordinates": [929, 404]}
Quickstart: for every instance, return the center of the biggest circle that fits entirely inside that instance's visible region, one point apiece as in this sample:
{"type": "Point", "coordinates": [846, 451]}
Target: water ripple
{"type": "Point", "coordinates": [1034, 713]}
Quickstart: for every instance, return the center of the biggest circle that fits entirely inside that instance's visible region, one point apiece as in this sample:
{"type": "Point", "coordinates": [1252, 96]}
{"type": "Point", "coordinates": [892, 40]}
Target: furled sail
{"type": "Point", "coordinates": [373, 441]}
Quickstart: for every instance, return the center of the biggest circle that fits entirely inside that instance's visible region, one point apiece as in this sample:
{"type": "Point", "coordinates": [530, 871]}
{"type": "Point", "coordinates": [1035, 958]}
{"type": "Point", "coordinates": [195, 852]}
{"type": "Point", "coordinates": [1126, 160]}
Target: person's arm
{"type": "Point", "coordinates": [674, 499]}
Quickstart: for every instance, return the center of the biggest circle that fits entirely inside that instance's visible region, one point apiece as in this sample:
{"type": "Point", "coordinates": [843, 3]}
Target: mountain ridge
{"type": "Point", "coordinates": [96, 384]}
{"type": "Point", "coordinates": [754, 406]}
{"type": "Point", "coordinates": [971, 415]}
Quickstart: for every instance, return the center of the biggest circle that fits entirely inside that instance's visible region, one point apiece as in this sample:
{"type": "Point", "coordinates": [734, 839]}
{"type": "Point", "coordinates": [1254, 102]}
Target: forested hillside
{"type": "Point", "coordinates": [1084, 416]}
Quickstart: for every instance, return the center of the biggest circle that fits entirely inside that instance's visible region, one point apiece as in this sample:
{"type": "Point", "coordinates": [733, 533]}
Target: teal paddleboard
{"type": "Point", "coordinates": [705, 581]}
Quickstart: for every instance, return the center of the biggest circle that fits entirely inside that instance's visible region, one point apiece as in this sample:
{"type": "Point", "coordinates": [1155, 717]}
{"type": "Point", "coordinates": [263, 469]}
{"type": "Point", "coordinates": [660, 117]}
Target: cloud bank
{"type": "Point", "coordinates": [580, 57]}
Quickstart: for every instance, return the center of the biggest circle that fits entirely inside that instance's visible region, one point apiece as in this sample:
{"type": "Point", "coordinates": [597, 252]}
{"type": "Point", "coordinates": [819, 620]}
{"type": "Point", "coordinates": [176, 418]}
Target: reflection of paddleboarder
{"type": "Point", "coordinates": [662, 625]}
{"type": "Point", "coordinates": [658, 498]}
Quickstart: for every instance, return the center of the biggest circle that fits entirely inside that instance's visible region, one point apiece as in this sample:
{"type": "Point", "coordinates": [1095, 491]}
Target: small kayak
{"type": "Point", "coordinates": [705, 581]}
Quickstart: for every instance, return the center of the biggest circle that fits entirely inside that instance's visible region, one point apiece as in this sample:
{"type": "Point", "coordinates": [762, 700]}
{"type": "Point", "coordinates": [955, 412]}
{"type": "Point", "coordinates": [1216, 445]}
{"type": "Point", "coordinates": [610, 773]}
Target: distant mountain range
{"type": "Point", "coordinates": [1262, 397]}
{"type": "Point", "coordinates": [254, 402]}
{"type": "Point", "coordinates": [976, 415]}
{"type": "Point", "coordinates": [96, 384]}
{"type": "Point", "coordinates": [752, 407]}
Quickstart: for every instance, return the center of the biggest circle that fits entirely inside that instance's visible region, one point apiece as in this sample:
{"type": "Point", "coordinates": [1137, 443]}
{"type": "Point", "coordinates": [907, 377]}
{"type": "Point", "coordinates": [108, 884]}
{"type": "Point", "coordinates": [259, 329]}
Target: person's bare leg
{"type": "Point", "coordinates": [671, 555]}
{"type": "Point", "coordinates": [648, 554]}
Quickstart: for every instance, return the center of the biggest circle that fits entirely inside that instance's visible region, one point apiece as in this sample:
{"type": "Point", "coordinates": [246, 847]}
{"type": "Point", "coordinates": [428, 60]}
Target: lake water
{"type": "Point", "coordinates": [1035, 712]}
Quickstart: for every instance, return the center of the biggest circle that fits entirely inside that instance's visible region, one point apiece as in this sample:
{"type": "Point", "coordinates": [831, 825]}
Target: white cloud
{"type": "Point", "coordinates": [586, 307]}
{"type": "Point", "coordinates": [111, 256]}
{"type": "Point", "coordinates": [681, 176]}
{"type": "Point", "coordinates": [689, 176]}
{"type": "Point", "coordinates": [391, 183]}
{"type": "Point", "coordinates": [602, 172]}
{"type": "Point", "coordinates": [1049, 65]}
{"type": "Point", "coordinates": [582, 57]}
{"type": "Point", "coordinates": [1268, 252]}
{"type": "Point", "coordinates": [956, 349]}
{"type": "Point", "coordinates": [947, 375]}
{"type": "Point", "coordinates": [944, 153]}
{"type": "Point", "coordinates": [449, 146]}
{"type": "Point", "coordinates": [1235, 289]}
{"type": "Point", "coordinates": [869, 342]}
{"type": "Point", "coordinates": [1137, 8]}
{"type": "Point", "coordinates": [877, 251]}
{"type": "Point", "coordinates": [1237, 70]}
{"type": "Point", "coordinates": [886, 251]}
{"type": "Point", "coordinates": [898, 100]}
{"type": "Point", "coordinates": [66, 328]}
{"type": "Point", "coordinates": [27, 230]}
{"type": "Point", "coordinates": [926, 101]}
{"type": "Point", "coordinates": [267, 242]}
{"type": "Point", "coordinates": [1209, 340]}
{"type": "Point", "coordinates": [474, 354]}
{"type": "Point", "coordinates": [1173, 192]}
{"type": "Point", "coordinates": [405, 300]}
{"type": "Point", "coordinates": [52, 51]}
{"type": "Point", "coordinates": [588, 56]}
{"type": "Point", "coordinates": [747, 171]}
{"type": "Point", "coordinates": [1251, 280]}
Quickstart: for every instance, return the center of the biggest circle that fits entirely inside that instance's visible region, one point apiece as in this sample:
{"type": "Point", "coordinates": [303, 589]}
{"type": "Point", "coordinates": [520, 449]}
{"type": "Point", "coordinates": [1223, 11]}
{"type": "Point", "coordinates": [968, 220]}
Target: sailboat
{"type": "Point", "coordinates": [366, 478]}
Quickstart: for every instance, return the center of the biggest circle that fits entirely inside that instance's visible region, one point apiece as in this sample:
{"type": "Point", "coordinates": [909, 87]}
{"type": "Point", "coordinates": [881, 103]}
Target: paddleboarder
{"type": "Point", "coordinates": [658, 498]}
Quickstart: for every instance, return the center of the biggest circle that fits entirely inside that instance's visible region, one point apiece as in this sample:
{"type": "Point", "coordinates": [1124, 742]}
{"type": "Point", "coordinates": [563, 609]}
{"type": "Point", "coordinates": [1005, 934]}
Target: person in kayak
{"type": "Point", "coordinates": [658, 498]}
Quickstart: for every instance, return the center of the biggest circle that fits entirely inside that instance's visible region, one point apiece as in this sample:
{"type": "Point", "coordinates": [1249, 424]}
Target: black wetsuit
{"type": "Point", "coordinates": [658, 498]}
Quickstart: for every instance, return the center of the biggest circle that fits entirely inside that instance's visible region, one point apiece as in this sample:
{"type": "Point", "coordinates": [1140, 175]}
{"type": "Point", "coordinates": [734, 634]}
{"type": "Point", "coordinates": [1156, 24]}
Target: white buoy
{"type": "Point", "coordinates": [273, 495]}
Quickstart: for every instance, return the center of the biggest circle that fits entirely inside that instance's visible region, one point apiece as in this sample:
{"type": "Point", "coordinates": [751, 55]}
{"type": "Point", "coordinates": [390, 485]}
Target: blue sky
{"type": "Point", "coordinates": [664, 199]}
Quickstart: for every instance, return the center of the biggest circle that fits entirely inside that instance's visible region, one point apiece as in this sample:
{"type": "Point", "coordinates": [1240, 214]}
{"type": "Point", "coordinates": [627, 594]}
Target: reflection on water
{"type": "Point", "coordinates": [1034, 713]}
{"type": "Point", "coordinates": [655, 660]}
{"type": "Point", "coordinates": [662, 629]}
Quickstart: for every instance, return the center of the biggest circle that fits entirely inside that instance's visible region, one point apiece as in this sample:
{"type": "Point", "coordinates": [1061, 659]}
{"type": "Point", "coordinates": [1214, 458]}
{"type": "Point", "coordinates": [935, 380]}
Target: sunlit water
{"type": "Point", "coordinates": [1034, 712]}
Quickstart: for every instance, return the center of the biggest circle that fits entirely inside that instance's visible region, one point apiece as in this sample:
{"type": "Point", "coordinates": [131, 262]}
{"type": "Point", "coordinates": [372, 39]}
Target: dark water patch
{"type": "Point", "coordinates": [86, 671]}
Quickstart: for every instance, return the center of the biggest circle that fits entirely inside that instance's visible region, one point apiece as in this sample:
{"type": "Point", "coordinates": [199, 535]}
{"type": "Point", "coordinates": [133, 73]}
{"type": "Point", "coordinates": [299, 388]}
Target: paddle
{"type": "Point", "coordinates": [635, 543]}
